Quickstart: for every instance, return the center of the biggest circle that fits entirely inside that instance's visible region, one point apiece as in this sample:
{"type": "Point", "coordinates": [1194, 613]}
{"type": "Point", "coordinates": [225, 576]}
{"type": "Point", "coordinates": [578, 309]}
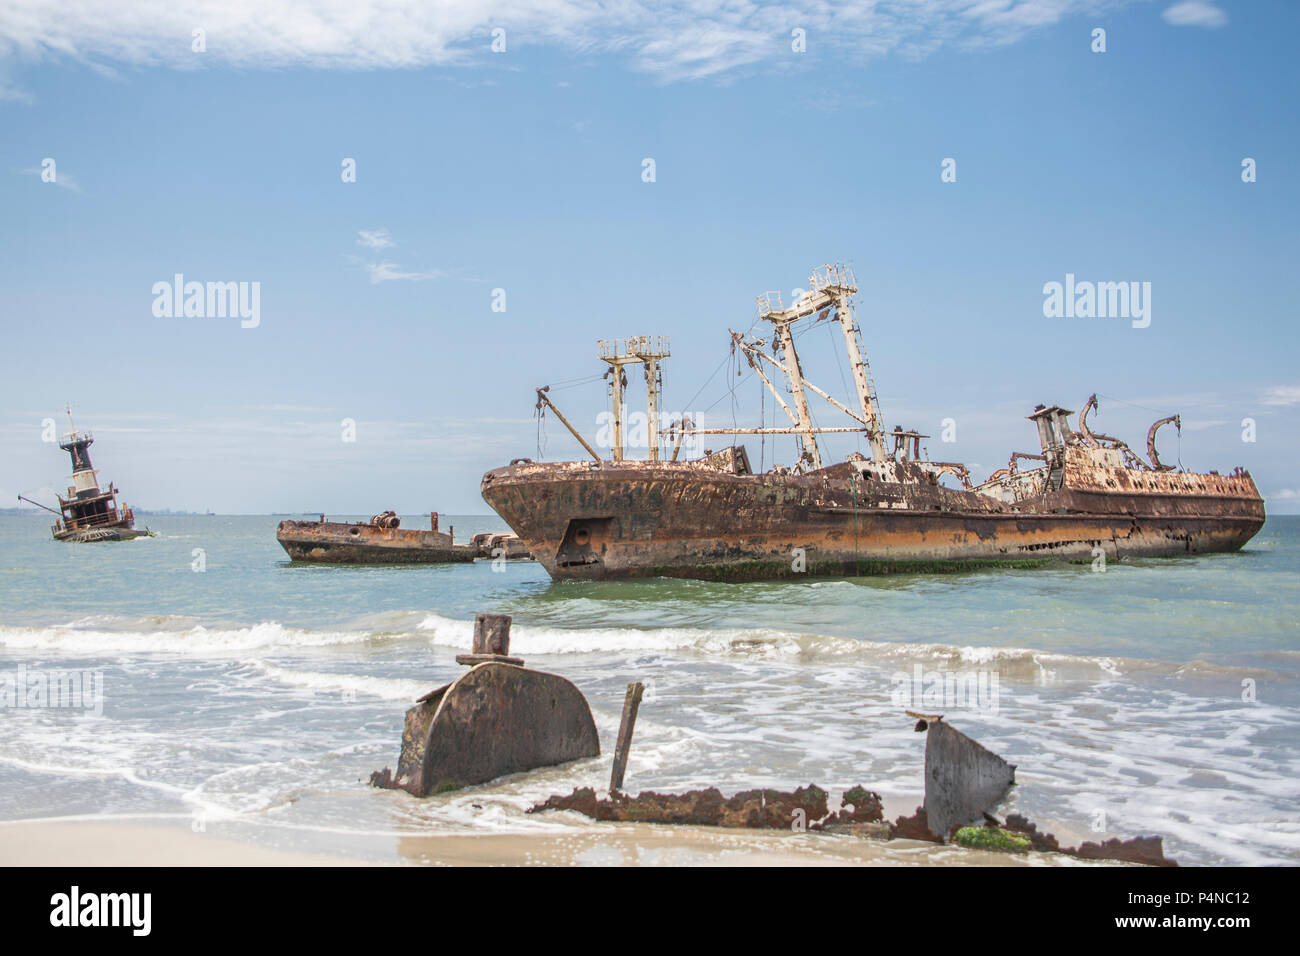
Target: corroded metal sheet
{"type": "Point", "coordinates": [963, 779]}
{"type": "Point", "coordinates": [496, 719]}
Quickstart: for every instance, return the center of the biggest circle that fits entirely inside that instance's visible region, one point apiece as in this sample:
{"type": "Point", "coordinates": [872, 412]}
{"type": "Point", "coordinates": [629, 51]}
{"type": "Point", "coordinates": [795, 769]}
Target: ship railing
{"type": "Point", "coordinates": [832, 276]}
{"type": "Point", "coordinates": [769, 303]}
{"type": "Point", "coordinates": [94, 521]}
{"type": "Point", "coordinates": [655, 346]}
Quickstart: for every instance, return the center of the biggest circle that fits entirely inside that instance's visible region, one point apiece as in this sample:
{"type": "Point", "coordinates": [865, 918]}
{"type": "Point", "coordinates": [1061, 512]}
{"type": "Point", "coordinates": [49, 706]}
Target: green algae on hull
{"type": "Point", "coordinates": [991, 838]}
{"type": "Point", "coordinates": [781, 570]}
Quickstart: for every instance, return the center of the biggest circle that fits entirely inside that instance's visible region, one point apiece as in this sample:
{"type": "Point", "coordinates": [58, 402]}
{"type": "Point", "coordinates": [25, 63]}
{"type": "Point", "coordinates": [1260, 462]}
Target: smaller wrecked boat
{"type": "Point", "coordinates": [89, 513]}
{"type": "Point", "coordinates": [382, 540]}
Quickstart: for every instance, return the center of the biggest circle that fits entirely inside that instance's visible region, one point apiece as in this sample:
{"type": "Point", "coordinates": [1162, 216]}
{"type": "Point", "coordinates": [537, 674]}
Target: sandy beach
{"type": "Point", "coordinates": [91, 843]}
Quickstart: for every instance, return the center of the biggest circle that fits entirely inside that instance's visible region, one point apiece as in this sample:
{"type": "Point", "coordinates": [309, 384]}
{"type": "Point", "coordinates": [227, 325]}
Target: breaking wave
{"type": "Point", "coordinates": [102, 635]}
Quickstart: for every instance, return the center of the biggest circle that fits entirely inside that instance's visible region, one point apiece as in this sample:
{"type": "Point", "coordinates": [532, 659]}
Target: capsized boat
{"type": "Point", "coordinates": [1088, 496]}
{"type": "Point", "coordinates": [89, 513]}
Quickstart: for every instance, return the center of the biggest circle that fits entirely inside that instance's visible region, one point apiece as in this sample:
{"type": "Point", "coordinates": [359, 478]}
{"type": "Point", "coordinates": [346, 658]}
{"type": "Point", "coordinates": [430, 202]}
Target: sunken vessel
{"type": "Point", "coordinates": [382, 540]}
{"type": "Point", "coordinates": [1081, 496]}
{"type": "Point", "coordinates": [89, 513]}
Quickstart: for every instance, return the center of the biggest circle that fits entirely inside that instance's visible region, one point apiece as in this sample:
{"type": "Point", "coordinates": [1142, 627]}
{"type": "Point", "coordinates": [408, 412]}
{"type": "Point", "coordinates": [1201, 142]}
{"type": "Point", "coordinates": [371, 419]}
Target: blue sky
{"type": "Point", "coordinates": [522, 171]}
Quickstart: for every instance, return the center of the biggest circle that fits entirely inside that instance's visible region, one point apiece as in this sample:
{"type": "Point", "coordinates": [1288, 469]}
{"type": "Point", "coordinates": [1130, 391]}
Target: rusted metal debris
{"type": "Point", "coordinates": [498, 718]}
{"type": "Point", "coordinates": [491, 642]}
{"type": "Point", "coordinates": [803, 808]}
{"type": "Point", "coordinates": [631, 703]}
{"type": "Point", "coordinates": [1147, 850]}
{"type": "Point", "coordinates": [498, 545]}
{"type": "Point", "coordinates": [962, 778]}
{"type": "Point", "coordinates": [751, 809]}
{"type": "Point", "coordinates": [963, 782]}
{"type": "Point", "coordinates": [884, 512]}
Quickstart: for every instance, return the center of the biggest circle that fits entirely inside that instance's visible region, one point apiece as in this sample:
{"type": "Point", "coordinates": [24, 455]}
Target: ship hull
{"type": "Point", "coordinates": [334, 542]}
{"type": "Point", "coordinates": [87, 535]}
{"type": "Point", "coordinates": [590, 520]}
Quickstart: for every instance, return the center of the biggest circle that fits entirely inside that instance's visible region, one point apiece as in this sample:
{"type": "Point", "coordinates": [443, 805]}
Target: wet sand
{"type": "Point", "coordinates": [91, 843]}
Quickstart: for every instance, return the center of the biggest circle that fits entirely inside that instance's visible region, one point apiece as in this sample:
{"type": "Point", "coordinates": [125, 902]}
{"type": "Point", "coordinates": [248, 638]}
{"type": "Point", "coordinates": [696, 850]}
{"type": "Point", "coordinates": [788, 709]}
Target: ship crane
{"type": "Point", "coordinates": [831, 287]}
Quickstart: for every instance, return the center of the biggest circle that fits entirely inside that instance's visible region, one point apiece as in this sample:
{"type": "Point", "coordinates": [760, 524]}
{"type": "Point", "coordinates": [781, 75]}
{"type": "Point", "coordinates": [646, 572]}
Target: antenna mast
{"type": "Point", "coordinates": [647, 350]}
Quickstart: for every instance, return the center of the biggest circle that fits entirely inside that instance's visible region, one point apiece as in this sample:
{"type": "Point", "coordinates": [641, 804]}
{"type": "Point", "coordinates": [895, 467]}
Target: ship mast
{"type": "Point", "coordinates": [831, 287]}
{"type": "Point", "coordinates": [647, 350]}
{"type": "Point", "coordinates": [85, 480]}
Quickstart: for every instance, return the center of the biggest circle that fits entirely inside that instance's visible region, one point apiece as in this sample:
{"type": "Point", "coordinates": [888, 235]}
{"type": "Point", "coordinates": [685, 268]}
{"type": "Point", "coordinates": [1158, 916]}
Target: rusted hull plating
{"type": "Point", "coordinates": [336, 542]}
{"type": "Point", "coordinates": [588, 520]}
{"type": "Point", "coordinates": [119, 532]}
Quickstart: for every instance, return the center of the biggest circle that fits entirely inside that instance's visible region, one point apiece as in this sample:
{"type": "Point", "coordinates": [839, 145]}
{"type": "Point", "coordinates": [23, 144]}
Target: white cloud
{"type": "Point", "coordinates": [61, 178]}
{"type": "Point", "coordinates": [389, 271]}
{"type": "Point", "coordinates": [1282, 395]}
{"type": "Point", "coordinates": [1198, 425]}
{"type": "Point", "coordinates": [375, 239]}
{"type": "Point", "coordinates": [12, 94]}
{"type": "Point", "coordinates": [1195, 13]}
{"type": "Point", "coordinates": [673, 40]}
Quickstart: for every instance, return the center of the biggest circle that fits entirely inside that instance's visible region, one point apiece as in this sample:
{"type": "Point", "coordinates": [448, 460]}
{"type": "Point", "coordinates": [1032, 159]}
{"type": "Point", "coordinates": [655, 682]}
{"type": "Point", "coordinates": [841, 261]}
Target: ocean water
{"type": "Point", "coordinates": [244, 693]}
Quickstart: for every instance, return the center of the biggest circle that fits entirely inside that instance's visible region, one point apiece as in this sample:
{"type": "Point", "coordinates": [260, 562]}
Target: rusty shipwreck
{"type": "Point", "coordinates": [1080, 496]}
{"type": "Point", "coordinates": [88, 513]}
{"type": "Point", "coordinates": [381, 540]}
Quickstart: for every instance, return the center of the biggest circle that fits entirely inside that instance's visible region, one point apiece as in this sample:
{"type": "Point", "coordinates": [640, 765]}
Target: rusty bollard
{"type": "Point", "coordinates": [491, 641]}
{"type": "Point", "coordinates": [497, 718]}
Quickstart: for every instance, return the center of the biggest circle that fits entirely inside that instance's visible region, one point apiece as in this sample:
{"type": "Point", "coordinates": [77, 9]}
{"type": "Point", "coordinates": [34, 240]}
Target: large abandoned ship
{"type": "Point", "coordinates": [1088, 496]}
{"type": "Point", "coordinates": [89, 513]}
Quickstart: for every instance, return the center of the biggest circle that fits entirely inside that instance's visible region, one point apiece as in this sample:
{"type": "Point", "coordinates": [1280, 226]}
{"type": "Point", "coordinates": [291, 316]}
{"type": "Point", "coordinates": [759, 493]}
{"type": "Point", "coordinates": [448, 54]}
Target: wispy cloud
{"type": "Point", "coordinates": [64, 179]}
{"type": "Point", "coordinates": [375, 239]}
{"type": "Point", "coordinates": [12, 94]}
{"type": "Point", "coordinates": [386, 271]}
{"type": "Point", "coordinates": [390, 272]}
{"type": "Point", "coordinates": [673, 40]}
{"type": "Point", "coordinates": [1200, 425]}
{"type": "Point", "coordinates": [1195, 13]}
{"type": "Point", "coordinates": [1282, 395]}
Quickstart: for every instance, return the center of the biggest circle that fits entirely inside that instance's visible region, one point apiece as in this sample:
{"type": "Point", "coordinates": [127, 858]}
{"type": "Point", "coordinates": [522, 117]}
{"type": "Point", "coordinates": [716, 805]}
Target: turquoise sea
{"type": "Point", "coordinates": [1160, 696]}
